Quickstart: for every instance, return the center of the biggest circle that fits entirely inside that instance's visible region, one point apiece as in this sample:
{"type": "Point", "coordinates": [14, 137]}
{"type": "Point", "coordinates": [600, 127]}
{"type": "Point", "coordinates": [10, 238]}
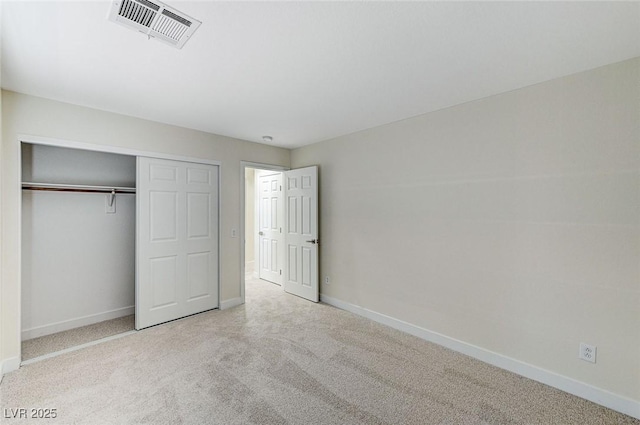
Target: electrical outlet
{"type": "Point", "coordinates": [587, 352]}
{"type": "Point", "coordinates": [326, 280]}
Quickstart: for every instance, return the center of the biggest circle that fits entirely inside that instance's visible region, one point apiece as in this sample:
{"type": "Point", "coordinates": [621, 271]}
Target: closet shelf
{"type": "Point", "coordinates": [76, 188]}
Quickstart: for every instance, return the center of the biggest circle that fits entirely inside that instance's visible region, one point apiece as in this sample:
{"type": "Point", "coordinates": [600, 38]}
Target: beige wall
{"type": "Point", "coordinates": [40, 117]}
{"type": "Point", "coordinates": [510, 223]}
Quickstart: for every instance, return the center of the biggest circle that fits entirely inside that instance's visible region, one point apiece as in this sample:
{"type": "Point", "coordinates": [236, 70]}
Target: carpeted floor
{"type": "Point", "coordinates": [37, 347]}
{"type": "Point", "coordinates": [279, 359]}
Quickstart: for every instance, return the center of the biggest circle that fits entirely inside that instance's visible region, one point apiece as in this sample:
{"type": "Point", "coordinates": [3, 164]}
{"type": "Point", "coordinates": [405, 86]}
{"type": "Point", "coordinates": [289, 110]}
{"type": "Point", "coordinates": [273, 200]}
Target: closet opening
{"type": "Point", "coordinates": [78, 247]}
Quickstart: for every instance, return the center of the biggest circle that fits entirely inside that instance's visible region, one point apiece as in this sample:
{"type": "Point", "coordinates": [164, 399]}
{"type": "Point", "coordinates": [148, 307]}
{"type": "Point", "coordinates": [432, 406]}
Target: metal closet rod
{"type": "Point", "coordinates": [76, 188]}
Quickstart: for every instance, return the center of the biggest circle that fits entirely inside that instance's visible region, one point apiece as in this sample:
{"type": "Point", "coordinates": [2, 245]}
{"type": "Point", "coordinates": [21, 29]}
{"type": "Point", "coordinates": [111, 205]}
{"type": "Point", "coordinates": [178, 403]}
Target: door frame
{"type": "Point", "coordinates": [62, 143]}
{"type": "Point", "coordinates": [243, 166]}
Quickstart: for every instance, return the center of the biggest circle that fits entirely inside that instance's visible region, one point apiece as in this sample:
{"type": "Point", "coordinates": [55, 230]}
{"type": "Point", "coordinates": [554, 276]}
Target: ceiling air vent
{"type": "Point", "coordinates": [155, 19]}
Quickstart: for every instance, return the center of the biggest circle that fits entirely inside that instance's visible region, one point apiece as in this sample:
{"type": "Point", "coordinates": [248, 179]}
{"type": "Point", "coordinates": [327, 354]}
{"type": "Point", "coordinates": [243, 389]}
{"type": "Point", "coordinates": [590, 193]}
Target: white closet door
{"type": "Point", "coordinates": [177, 240]}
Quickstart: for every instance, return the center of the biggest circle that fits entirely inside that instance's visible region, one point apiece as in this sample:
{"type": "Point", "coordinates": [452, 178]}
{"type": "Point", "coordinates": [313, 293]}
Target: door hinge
{"type": "Point", "coordinates": [280, 272]}
{"type": "Point", "coordinates": [281, 230]}
{"type": "Point", "coordinates": [280, 188]}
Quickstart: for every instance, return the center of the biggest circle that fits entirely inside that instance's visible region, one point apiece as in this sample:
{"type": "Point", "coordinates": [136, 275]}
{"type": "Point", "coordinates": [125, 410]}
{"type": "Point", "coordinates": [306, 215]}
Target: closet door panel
{"type": "Point", "coordinates": [198, 266]}
{"type": "Point", "coordinates": [177, 252]}
{"type": "Point", "coordinates": [164, 281]}
{"type": "Point", "coordinates": [198, 212]}
{"type": "Point", "coordinates": [163, 219]}
{"type": "Point", "coordinates": [201, 243]}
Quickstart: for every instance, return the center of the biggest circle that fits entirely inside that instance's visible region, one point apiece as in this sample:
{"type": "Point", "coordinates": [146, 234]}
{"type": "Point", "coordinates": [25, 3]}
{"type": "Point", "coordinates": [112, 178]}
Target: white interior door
{"type": "Point", "coordinates": [177, 240]}
{"type": "Point", "coordinates": [301, 237]}
{"type": "Point", "coordinates": [270, 219]}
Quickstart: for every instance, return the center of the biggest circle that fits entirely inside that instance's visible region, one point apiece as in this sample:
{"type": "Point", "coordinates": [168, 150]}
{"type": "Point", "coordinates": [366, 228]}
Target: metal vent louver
{"type": "Point", "coordinates": [154, 19]}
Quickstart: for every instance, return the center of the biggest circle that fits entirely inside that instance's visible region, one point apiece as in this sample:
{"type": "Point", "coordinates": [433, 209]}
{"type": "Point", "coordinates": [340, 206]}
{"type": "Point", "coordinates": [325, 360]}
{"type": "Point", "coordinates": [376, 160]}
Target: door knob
{"type": "Point", "coordinates": [314, 241]}
{"type": "Point", "coordinates": [261, 233]}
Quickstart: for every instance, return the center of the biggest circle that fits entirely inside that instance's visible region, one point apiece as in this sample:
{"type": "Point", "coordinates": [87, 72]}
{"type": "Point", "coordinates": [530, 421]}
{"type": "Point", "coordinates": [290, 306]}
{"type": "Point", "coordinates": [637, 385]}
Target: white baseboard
{"type": "Point", "coordinates": [77, 347]}
{"type": "Point", "coordinates": [233, 302]}
{"type": "Point", "coordinates": [65, 325]}
{"type": "Point", "coordinates": [602, 397]}
{"type": "Point", "coordinates": [9, 365]}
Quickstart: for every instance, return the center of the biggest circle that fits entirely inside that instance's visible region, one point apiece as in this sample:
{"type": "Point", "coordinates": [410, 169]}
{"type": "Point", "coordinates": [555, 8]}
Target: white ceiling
{"type": "Point", "coordinates": [303, 72]}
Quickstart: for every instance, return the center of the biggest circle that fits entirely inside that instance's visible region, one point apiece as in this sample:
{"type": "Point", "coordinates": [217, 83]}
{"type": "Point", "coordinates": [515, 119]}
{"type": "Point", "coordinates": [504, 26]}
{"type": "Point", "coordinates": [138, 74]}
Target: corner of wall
{"type": "Point", "coordinates": [230, 303]}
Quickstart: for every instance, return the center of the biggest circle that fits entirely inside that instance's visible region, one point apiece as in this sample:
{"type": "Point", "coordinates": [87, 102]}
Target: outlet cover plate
{"type": "Point", "coordinates": [587, 352]}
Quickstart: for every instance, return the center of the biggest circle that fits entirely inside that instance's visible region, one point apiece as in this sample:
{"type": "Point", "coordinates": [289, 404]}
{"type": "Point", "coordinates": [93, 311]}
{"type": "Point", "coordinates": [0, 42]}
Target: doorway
{"type": "Point", "coordinates": [263, 225]}
{"type": "Point", "coordinates": [279, 228]}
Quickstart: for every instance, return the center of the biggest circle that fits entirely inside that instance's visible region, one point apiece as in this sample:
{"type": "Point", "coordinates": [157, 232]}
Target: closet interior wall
{"type": "Point", "coordinates": [78, 259]}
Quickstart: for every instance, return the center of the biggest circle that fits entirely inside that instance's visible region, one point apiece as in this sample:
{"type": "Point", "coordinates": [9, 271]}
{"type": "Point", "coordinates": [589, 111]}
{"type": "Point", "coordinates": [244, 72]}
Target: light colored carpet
{"type": "Point", "coordinates": [279, 359]}
{"type": "Point", "coordinates": [37, 347]}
